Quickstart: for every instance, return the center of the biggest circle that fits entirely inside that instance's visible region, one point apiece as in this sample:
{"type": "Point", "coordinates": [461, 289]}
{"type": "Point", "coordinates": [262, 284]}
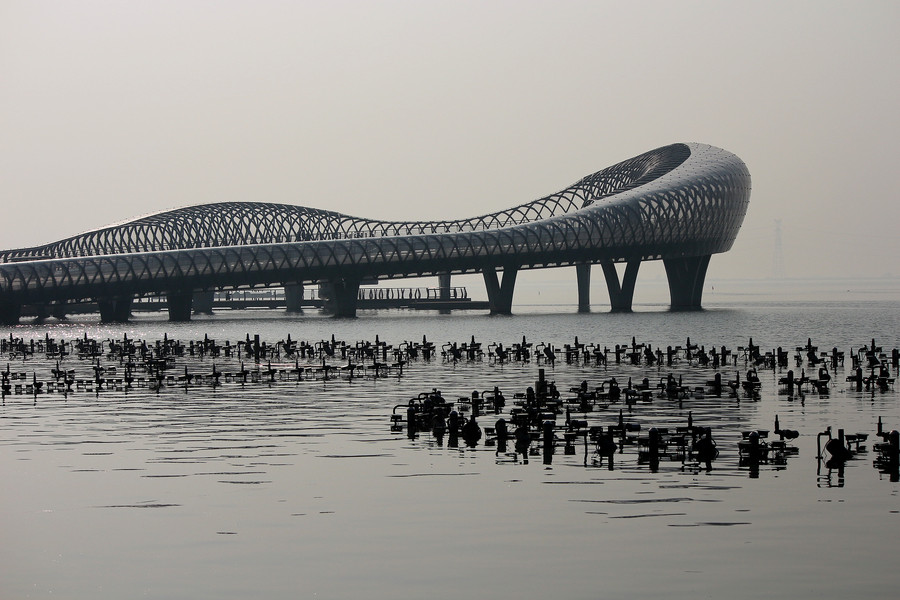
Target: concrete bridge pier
{"type": "Point", "coordinates": [293, 296]}
{"type": "Point", "coordinates": [583, 275]}
{"type": "Point", "coordinates": [58, 310]}
{"type": "Point", "coordinates": [114, 310]}
{"type": "Point", "coordinates": [686, 277]}
{"type": "Point", "coordinates": [500, 293]}
{"type": "Point", "coordinates": [45, 310]}
{"type": "Point", "coordinates": [340, 296]}
{"type": "Point", "coordinates": [10, 312]}
{"type": "Point", "coordinates": [621, 294]}
{"type": "Point", "coordinates": [180, 304]}
{"type": "Point", "coordinates": [203, 302]}
{"type": "Point", "coordinates": [444, 286]}
{"type": "Point", "coordinates": [42, 312]}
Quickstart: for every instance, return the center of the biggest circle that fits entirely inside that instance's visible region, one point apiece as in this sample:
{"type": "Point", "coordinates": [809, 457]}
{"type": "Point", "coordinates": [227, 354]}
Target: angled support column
{"type": "Point", "coordinates": [686, 277]}
{"type": "Point", "coordinates": [293, 297]}
{"type": "Point", "coordinates": [180, 304]}
{"type": "Point", "coordinates": [10, 312]}
{"type": "Point", "coordinates": [114, 310]}
{"type": "Point", "coordinates": [621, 294]}
{"type": "Point", "coordinates": [583, 275]}
{"type": "Point", "coordinates": [203, 302]}
{"type": "Point", "coordinates": [341, 296]}
{"type": "Point", "coordinates": [500, 294]}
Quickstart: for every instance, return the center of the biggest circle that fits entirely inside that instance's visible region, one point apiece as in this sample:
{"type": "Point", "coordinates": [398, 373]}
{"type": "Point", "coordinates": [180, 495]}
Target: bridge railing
{"type": "Point", "coordinates": [312, 294]}
{"type": "Point", "coordinates": [412, 293]}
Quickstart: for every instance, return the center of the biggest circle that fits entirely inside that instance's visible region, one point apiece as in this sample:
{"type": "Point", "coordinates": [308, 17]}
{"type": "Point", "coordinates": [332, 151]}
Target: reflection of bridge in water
{"type": "Point", "coordinates": [679, 204]}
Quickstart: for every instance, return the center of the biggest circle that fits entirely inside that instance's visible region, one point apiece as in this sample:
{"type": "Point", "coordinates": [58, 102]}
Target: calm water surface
{"type": "Point", "coordinates": [300, 489]}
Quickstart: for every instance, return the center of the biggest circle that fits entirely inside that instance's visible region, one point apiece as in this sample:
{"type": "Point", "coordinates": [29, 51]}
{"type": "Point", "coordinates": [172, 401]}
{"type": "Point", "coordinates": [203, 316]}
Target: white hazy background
{"type": "Point", "coordinates": [431, 110]}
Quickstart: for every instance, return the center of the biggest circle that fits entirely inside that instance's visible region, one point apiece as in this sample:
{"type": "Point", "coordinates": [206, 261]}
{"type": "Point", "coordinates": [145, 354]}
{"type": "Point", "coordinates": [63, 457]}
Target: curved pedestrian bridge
{"type": "Point", "coordinates": [680, 204]}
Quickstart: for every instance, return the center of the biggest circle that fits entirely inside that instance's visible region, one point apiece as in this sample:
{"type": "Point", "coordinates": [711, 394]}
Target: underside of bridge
{"type": "Point", "coordinates": [679, 204]}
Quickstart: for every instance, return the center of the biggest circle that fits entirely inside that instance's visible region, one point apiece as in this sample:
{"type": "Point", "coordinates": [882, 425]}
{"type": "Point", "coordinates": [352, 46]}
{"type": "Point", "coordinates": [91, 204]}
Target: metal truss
{"type": "Point", "coordinates": [678, 201]}
{"type": "Point", "coordinates": [249, 223]}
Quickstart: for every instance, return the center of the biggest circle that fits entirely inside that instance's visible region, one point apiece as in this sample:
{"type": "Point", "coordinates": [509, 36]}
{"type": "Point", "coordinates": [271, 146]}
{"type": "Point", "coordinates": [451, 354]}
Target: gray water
{"type": "Point", "coordinates": [299, 489]}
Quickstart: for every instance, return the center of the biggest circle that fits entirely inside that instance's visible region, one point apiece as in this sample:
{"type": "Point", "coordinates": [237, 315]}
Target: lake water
{"type": "Point", "coordinates": [299, 489]}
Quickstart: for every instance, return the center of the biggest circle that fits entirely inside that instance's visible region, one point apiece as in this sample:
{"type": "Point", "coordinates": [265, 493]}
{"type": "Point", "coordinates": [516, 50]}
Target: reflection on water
{"type": "Point", "coordinates": [294, 484]}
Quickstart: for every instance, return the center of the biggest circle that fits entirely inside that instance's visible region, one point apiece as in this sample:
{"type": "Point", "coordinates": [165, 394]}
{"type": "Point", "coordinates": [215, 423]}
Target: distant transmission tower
{"type": "Point", "coordinates": [778, 258]}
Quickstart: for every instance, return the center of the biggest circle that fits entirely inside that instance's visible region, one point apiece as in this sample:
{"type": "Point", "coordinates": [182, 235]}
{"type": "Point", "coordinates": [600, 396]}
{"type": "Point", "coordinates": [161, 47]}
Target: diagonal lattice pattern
{"type": "Point", "coordinates": [248, 223]}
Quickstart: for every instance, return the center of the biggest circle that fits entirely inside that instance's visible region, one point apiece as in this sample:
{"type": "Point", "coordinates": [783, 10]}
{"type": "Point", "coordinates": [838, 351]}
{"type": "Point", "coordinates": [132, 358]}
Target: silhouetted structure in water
{"type": "Point", "coordinates": [471, 432]}
{"type": "Point", "coordinates": [523, 441]}
{"type": "Point", "coordinates": [502, 434]}
{"type": "Point", "coordinates": [705, 448]}
{"type": "Point", "coordinates": [548, 441]}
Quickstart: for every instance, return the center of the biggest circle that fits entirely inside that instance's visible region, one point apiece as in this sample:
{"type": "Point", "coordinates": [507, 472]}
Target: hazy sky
{"type": "Point", "coordinates": [432, 110]}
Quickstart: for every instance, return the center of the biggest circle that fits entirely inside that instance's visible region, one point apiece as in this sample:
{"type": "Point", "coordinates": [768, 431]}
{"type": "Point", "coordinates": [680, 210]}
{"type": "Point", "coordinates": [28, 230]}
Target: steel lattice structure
{"type": "Point", "coordinates": [673, 203]}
